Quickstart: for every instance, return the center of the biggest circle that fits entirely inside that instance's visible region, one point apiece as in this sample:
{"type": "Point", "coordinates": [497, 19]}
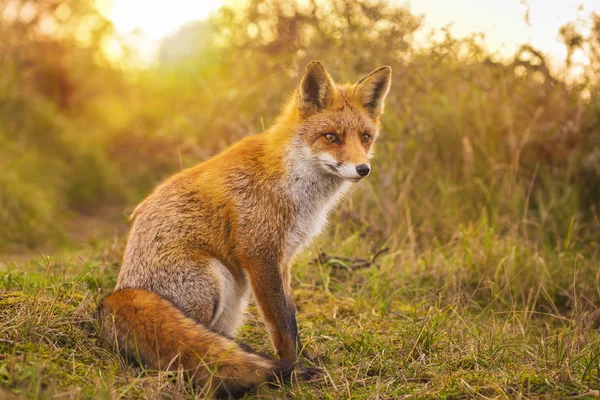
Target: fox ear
{"type": "Point", "coordinates": [372, 90]}
{"type": "Point", "coordinates": [316, 89]}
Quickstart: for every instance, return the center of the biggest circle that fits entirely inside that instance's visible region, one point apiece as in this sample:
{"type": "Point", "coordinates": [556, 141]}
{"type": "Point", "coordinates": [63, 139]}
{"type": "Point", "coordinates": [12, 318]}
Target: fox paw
{"type": "Point", "coordinates": [309, 373]}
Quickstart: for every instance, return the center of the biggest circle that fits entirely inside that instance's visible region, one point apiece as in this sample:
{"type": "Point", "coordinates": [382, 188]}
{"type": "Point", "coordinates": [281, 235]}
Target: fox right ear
{"type": "Point", "coordinates": [316, 89]}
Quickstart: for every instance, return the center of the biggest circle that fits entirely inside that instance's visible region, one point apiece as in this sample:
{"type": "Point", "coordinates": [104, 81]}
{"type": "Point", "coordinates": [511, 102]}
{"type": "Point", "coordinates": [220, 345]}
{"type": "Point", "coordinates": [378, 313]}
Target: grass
{"type": "Point", "coordinates": [420, 325]}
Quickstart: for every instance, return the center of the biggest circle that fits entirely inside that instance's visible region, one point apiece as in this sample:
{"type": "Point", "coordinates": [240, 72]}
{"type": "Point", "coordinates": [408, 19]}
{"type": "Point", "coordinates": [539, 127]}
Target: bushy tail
{"type": "Point", "coordinates": [149, 329]}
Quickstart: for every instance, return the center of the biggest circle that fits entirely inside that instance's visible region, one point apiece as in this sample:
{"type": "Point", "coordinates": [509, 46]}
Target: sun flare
{"type": "Point", "coordinates": [146, 23]}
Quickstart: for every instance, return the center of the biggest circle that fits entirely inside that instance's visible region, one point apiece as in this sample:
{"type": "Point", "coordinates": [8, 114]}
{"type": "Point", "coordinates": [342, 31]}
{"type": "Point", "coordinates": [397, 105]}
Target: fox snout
{"type": "Point", "coordinates": [352, 172]}
{"type": "Point", "coordinates": [346, 170]}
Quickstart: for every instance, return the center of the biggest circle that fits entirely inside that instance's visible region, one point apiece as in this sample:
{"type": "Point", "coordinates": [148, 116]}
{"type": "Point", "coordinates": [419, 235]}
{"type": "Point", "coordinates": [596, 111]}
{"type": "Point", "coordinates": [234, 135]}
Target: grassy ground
{"type": "Point", "coordinates": [384, 330]}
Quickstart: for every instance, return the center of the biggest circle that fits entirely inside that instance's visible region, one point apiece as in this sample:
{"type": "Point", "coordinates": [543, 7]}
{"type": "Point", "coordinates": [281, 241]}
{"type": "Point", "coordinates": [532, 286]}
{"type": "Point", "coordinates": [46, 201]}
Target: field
{"type": "Point", "coordinates": [466, 266]}
{"type": "Point", "coordinates": [389, 330]}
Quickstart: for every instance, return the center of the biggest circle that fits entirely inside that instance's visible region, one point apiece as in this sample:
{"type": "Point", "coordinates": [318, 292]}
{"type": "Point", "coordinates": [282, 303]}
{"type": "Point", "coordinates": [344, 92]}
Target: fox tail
{"type": "Point", "coordinates": [151, 330]}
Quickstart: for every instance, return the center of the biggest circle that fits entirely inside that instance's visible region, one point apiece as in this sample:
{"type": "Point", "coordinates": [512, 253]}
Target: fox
{"type": "Point", "coordinates": [211, 235]}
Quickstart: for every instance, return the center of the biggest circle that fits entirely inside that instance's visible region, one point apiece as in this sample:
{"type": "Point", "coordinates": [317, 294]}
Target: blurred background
{"type": "Point", "coordinates": [491, 130]}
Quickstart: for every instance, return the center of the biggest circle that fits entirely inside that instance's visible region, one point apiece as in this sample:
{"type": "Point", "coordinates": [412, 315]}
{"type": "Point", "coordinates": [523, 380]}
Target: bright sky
{"type": "Point", "coordinates": [502, 21]}
{"type": "Point", "coordinates": [146, 22]}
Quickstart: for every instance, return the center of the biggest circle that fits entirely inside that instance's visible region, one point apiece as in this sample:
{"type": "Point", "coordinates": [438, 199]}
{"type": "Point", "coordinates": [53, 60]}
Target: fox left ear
{"type": "Point", "coordinates": [372, 90]}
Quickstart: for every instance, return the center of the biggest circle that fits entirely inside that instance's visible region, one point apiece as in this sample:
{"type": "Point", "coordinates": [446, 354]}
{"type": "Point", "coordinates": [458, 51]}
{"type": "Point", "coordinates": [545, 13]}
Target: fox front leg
{"type": "Point", "coordinates": [300, 349]}
{"type": "Point", "coordinates": [276, 306]}
{"type": "Point", "coordinates": [288, 290]}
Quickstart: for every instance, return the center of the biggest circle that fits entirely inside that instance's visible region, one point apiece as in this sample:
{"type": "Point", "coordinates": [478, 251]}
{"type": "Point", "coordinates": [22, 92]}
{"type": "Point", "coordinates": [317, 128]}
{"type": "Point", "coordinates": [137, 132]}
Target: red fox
{"type": "Point", "coordinates": [211, 234]}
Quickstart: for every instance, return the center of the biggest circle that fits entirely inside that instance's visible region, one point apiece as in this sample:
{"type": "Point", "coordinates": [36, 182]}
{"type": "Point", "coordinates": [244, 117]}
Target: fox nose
{"type": "Point", "coordinates": [363, 170]}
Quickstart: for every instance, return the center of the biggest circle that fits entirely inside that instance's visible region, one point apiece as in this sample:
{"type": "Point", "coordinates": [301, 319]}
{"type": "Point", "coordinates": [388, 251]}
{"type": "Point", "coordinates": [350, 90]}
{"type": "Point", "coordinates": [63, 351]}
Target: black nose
{"type": "Point", "coordinates": [363, 169]}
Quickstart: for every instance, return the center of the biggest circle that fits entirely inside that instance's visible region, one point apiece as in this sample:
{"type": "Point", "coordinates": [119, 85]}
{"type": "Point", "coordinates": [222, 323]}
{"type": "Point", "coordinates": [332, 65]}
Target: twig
{"type": "Point", "coordinates": [349, 263]}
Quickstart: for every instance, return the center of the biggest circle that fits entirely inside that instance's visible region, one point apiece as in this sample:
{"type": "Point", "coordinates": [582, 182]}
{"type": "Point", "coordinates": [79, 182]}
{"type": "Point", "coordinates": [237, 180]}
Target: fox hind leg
{"type": "Point", "coordinates": [209, 293]}
{"type": "Point", "coordinates": [192, 287]}
{"type": "Point", "coordinates": [234, 293]}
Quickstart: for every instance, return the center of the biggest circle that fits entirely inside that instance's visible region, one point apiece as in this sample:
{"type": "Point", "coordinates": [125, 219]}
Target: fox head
{"type": "Point", "coordinates": [340, 123]}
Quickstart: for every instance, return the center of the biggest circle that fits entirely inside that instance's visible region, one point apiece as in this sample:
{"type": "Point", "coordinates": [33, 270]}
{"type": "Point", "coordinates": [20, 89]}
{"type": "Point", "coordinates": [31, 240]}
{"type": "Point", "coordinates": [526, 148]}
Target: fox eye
{"type": "Point", "coordinates": [366, 138]}
{"type": "Point", "coordinates": [331, 138]}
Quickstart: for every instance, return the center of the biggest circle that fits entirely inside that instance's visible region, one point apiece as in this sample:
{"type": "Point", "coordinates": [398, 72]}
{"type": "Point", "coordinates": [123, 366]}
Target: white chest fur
{"type": "Point", "coordinates": [314, 193]}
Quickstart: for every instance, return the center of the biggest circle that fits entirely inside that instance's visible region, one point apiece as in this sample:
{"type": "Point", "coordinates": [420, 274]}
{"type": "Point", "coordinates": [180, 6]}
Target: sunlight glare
{"type": "Point", "coordinates": [144, 24]}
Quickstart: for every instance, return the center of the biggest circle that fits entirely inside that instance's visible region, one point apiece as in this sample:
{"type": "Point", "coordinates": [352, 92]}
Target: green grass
{"type": "Point", "coordinates": [422, 325]}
